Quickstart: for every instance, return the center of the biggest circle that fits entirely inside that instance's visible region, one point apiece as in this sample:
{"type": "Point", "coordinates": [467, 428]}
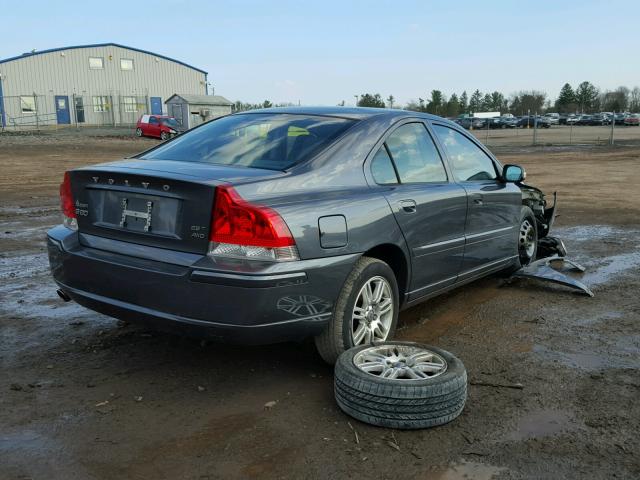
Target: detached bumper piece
{"type": "Point", "coordinates": [542, 270]}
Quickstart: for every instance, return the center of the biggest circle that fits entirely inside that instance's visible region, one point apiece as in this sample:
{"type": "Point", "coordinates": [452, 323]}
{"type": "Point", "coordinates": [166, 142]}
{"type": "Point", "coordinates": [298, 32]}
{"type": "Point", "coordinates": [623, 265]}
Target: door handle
{"type": "Point", "coordinates": [408, 206]}
{"type": "Point", "coordinates": [476, 198]}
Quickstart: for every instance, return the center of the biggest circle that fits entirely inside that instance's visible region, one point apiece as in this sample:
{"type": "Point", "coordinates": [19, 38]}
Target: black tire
{"type": "Point", "coordinates": [138, 132]}
{"type": "Point", "coordinates": [164, 135]}
{"type": "Point", "coordinates": [405, 404]}
{"type": "Point", "coordinates": [526, 256]}
{"type": "Point", "coordinates": [338, 335]}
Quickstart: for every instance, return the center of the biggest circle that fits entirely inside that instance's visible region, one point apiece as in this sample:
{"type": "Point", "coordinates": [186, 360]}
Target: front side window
{"type": "Point", "coordinates": [382, 168]}
{"type": "Point", "coordinates": [28, 104]}
{"type": "Point", "coordinates": [96, 63]}
{"type": "Point", "coordinates": [468, 162]}
{"type": "Point", "coordinates": [126, 64]}
{"type": "Point", "coordinates": [130, 104]}
{"type": "Point", "coordinates": [258, 140]}
{"type": "Point", "coordinates": [153, 121]}
{"type": "Point", "coordinates": [415, 156]}
{"type": "Point", "coordinates": [101, 104]}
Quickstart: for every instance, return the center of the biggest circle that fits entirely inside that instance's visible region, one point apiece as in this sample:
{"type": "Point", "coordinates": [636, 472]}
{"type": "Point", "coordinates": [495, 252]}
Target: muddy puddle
{"type": "Point", "coordinates": [543, 423]}
{"type": "Point", "coordinates": [468, 470]}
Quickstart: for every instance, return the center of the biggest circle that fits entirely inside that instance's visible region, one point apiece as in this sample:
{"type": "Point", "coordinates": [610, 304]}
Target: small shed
{"type": "Point", "coordinates": [192, 110]}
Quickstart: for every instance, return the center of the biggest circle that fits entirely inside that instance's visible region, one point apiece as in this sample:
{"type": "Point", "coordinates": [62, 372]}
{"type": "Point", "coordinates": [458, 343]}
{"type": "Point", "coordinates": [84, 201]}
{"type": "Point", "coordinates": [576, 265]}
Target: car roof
{"type": "Point", "coordinates": [354, 113]}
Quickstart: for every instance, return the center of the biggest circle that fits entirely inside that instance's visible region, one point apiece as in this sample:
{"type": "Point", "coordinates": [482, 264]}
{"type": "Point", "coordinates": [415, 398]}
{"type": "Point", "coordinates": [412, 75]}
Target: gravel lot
{"type": "Point", "coordinates": [84, 397]}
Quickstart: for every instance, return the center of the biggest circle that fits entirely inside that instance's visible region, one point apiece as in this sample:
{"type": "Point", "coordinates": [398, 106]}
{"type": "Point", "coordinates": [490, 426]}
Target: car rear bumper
{"type": "Point", "coordinates": [233, 300]}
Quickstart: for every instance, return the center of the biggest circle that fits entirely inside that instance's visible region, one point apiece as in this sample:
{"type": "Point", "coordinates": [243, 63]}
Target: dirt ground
{"type": "Point", "coordinates": [84, 397]}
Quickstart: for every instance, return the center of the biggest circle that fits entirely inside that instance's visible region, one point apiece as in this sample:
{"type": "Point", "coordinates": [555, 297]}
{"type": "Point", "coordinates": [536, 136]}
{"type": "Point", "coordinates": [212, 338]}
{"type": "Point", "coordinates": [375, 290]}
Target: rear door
{"type": "Point", "coordinates": [493, 206]}
{"type": "Point", "coordinates": [428, 207]}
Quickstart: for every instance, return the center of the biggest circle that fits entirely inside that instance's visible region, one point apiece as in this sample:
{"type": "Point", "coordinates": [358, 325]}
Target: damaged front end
{"type": "Point", "coordinates": [551, 250]}
{"type": "Point", "coordinates": [545, 215]}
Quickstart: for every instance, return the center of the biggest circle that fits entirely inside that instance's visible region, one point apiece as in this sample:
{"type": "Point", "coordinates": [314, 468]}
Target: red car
{"type": "Point", "coordinates": [159, 126]}
{"type": "Point", "coordinates": [633, 119]}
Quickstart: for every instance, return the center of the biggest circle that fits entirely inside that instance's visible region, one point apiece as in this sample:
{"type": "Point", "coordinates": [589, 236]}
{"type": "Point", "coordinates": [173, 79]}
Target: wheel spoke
{"type": "Point", "coordinates": [378, 291]}
{"type": "Point", "coordinates": [360, 333]}
{"type": "Point", "coordinates": [385, 306]}
{"type": "Point", "coordinates": [428, 366]}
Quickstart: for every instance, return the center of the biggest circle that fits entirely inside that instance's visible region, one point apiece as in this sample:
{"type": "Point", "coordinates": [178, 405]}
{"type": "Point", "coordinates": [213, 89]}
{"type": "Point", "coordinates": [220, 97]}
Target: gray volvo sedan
{"type": "Point", "coordinates": [280, 224]}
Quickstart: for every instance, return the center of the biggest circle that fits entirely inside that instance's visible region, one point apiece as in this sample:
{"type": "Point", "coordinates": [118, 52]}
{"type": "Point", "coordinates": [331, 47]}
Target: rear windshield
{"type": "Point", "coordinates": [261, 140]}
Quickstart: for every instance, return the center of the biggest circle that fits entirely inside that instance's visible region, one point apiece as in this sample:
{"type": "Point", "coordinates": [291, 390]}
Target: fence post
{"type": "Point", "coordinates": [486, 141]}
{"type": "Point", "coordinates": [35, 102]}
{"type": "Point", "coordinates": [613, 124]}
{"type": "Point", "coordinates": [570, 133]}
{"type": "Point", "coordinates": [113, 112]}
{"type": "Point", "coordinates": [535, 129]}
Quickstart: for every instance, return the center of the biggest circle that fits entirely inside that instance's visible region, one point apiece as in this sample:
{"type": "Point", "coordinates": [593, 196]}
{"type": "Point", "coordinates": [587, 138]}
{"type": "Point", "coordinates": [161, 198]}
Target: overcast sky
{"type": "Point", "coordinates": [326, 51]}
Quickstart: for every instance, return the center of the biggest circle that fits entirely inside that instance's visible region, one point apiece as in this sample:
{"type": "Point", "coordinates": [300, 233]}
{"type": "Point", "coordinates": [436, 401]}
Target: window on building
{"type": "Point", "coordinates": [96, 63]}
{"type": "Point", "coordinates": [130, 104]}
{"type": "Point", "coordinates": [126, 64]}
{"type": "Point", "coordinates": [101, 104]}
{"type": "Point", "coordinates": [28, 104]}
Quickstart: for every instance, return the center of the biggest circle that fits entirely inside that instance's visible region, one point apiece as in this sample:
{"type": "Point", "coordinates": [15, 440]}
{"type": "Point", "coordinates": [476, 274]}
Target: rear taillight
{"type": "Point", "coordinates": [243, 230]}
{"type": "Point", "coordinates": [66, 203]}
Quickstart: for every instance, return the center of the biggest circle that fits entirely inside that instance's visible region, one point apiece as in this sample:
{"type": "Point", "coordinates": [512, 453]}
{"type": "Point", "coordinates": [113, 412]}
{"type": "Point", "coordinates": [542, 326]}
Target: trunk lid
{"type": "Point", "coordinates": [162, 204]}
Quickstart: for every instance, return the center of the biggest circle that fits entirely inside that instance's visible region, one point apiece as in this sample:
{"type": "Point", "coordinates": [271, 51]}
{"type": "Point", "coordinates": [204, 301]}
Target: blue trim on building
{"type": "Point", "coordinates": [2, 117]}
{"type": "Point", "coordinates": [51, 50]}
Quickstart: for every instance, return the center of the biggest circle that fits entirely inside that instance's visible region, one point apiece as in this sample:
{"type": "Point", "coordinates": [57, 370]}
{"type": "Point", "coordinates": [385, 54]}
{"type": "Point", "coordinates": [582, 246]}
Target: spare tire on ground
{"type": "Point", "coordinates": [400, 385]}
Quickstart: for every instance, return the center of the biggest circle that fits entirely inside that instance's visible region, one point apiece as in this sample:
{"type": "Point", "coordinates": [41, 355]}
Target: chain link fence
{"type": "Point", "coordinates": [559, 135]}
{"type": "Point", "coordinates": [28, 112]}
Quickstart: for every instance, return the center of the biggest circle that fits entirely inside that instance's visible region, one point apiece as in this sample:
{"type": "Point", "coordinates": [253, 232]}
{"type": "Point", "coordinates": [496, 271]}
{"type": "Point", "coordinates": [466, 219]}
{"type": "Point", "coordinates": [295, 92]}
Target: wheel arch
{"type": "Point", "coordinates": [396, 258]}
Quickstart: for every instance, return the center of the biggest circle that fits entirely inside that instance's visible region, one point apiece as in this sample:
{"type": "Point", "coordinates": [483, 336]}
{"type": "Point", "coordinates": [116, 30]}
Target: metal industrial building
{"type": "Point", "coordinates": [100, 84]}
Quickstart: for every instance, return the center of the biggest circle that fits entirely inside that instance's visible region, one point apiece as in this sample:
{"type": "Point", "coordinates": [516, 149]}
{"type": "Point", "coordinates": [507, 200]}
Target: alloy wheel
{"type": "Point", "coordinates": [400, 362]}
{"type": "Point", "coordinates": [373, 312]}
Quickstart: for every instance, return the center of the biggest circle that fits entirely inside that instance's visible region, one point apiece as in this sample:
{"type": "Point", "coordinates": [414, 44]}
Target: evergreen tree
{"type": "Point", "coordinates": [497, 102]}
{"type": "Point", "coordinates": [368, 100]}
{"type": "Point", "coordinates": [453, 106]}
{"type": "Point", "coordinates": [487, 103]}
{"type": "Point", "coordinates": [475, 104]}
{"type": "Point", "coordinates": [566, 101]}
{"type": "Point", "coordinates": [436, 103]}
{"type": "Point", "coordinates": [463, 103]}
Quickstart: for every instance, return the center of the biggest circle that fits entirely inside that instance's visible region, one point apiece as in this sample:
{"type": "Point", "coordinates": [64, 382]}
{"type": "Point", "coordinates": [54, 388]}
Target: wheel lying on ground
{"type": "Point", "coordinates": [366, 310]}
{"type": "Point", "coordinates": [400, 385]}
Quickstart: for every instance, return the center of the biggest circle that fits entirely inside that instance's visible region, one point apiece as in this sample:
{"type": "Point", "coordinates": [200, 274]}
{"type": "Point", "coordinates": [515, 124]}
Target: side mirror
{"type": "Point", "coordinates": [513, 173]}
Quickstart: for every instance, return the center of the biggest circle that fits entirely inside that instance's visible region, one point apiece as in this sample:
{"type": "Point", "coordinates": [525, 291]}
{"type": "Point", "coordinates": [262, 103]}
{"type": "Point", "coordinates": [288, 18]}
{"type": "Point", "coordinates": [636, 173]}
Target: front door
{"type": "Point", "coordinates": [493, 206]}
{"type": "Point", "coordinates": [62, 110]}
{"type": "Point", "coordinates": [79, 107]}
{"type": "Point", "coordinates": [429, 208]}
{"type": "Point", "coordinates": [156, 105]}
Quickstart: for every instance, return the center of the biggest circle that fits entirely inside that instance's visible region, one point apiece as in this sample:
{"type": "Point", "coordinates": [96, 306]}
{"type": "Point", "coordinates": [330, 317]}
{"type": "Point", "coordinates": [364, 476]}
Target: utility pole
{"type": "Point", "coordinates": [357, 97]}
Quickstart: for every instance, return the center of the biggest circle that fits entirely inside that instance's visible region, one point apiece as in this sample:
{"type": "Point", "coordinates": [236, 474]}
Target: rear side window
{"type": "Point", "coordinates": [256, 140]}
{"type": "Point", "coordinates": [415, 155]}
{"type": "Point", "coordinates": [382, 168]}
{"type": "Point", "coordinates": [468, 162]}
